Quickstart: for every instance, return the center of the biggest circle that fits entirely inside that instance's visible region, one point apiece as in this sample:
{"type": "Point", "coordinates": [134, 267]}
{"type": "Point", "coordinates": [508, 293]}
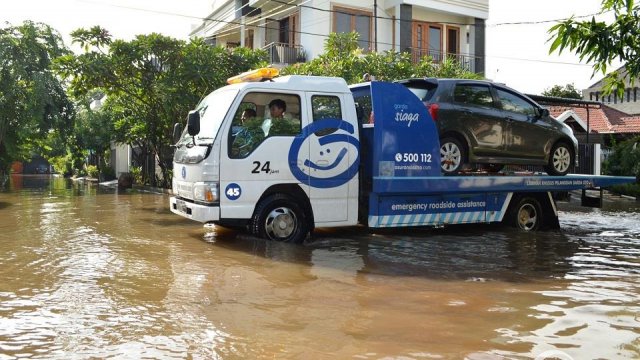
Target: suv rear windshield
{"type": "Point", "coordinates": [422, 89]}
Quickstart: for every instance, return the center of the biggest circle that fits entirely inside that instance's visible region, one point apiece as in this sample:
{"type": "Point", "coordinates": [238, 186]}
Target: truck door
{"type": "Point", "coordinates": [333, 157]}
{"type": "Point", "coordinates": [255, 150]}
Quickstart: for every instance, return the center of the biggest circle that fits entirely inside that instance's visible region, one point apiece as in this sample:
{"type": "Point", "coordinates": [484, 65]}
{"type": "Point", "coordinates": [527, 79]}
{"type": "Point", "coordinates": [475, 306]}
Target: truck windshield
{"type": "Point", "coordinates": [213, 109]}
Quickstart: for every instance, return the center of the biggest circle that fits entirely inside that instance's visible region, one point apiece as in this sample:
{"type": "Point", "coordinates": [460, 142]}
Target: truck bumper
{"type": "Point", "coordinates": [196, 212]}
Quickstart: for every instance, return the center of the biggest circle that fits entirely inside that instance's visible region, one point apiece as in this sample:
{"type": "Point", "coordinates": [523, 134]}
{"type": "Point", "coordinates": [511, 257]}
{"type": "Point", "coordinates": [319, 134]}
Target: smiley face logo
{"type": "Point", "coordinates": [336, 140]}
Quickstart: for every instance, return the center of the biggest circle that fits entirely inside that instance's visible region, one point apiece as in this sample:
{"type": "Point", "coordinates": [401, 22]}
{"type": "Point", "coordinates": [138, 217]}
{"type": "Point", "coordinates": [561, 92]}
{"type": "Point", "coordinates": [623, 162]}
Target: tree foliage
{"type": "Point", "coordinates": [151, 82]}
{"type": "Point", "coordinates": [343, 58]}
{"type": "Point", "coordinates": [601, 43]}
{"type": "Point", "coordinates": [568, 91]}
{"type": "Point", "coordinates": [32, 100]}
{"type": "Point", "coordinates": [625, 158]}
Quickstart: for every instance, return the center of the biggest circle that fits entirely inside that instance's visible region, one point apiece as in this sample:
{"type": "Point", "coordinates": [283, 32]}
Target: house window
{"type": "Point", "coordinates": [283, 30]}
{"type": "Point", "coordinates": [248, 40]}
{"type": "Point", "coordinates": [427, 40]}
{"type": "Point", "coordinates": [453, 41]}
{"type": "Point", "coordinates": [348, 20]}
{"type": "Point", "coordinates": [286, 32]}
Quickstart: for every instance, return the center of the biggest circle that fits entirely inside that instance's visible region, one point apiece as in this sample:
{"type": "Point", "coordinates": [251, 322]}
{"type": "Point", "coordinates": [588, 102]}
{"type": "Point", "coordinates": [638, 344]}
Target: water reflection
{"type": "Point", "coordinates": [478, 253]}
{"type": "Point", "coordinates": [95, 273]}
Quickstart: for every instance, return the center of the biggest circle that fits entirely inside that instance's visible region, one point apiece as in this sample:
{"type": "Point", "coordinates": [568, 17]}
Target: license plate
{"type": "Point", "coordinates": [181, 206]}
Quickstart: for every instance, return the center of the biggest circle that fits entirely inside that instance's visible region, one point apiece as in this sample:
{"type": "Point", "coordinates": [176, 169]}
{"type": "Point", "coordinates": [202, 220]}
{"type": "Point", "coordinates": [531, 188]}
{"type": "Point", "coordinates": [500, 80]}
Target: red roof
{"type": "Point", "coordinates": [603, 120]}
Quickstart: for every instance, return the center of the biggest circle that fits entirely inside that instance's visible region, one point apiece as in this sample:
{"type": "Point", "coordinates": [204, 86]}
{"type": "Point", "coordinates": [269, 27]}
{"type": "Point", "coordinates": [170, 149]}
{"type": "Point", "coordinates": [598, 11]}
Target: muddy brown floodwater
{"type": "Point", "coordinates": [91, 273]}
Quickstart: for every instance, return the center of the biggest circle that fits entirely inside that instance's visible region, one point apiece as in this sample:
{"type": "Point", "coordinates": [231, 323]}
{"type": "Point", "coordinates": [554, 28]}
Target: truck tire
{"type": "Point", "coordinates": [560, 160]}
{"type": "Point", "coordinates": [452, 155]}
{"type": "Point", "coordinates": [278, 217]}
{"type": "Point", "coordinates": [526, 214]}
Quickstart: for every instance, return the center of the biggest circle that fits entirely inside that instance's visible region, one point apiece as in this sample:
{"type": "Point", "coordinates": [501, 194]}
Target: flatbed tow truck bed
{"type": "Point", "coordinates": [494, 183]}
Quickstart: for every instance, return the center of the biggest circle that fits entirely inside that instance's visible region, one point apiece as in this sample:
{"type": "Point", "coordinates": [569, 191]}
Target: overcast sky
{"type": "Point", "coordinates": [517, 54]}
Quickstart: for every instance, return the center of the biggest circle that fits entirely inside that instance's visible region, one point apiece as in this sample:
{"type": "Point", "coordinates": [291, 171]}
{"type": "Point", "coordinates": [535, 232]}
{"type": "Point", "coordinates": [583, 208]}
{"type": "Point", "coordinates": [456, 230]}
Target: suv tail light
{"type": "Point", "coordinates": [433, 110]}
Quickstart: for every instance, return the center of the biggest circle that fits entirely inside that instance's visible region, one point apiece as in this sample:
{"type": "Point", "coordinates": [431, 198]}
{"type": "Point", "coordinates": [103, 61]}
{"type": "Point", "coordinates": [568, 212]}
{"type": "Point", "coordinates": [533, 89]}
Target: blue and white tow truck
{"type": "Point", "coordinates": [336, 169]}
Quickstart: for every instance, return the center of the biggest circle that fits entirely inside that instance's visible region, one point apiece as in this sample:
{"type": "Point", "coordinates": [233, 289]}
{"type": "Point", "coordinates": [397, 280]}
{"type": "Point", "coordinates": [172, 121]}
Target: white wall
{"type": "Point", "coordinates": [321, 22]}
{"type": "Point", "coordinates": [123, 158]}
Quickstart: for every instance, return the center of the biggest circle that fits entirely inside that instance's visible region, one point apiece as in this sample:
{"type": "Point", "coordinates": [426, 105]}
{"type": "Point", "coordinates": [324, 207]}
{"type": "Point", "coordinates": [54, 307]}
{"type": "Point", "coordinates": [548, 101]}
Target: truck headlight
{"type": "Point", "coordinates": [205, 192]}
{"type": "Point", "coordinates": [174, 186]}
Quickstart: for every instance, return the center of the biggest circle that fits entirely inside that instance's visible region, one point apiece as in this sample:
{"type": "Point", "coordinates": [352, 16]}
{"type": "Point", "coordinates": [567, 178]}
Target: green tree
{"type": "Point", "coordinates": [94, 128]}
{"type": "Point", "coordinates": [33, 102]}
{"type": "Point", "coordinates": [601, 43]}
{"type": "Point", "coordinates": [625, 158]}
{"type": "Point", "coordinates": [568, 91]}
{"type": "Point", "coordinates": [343, 58]}
{"type": "Point", "coordinates": [151, 82]}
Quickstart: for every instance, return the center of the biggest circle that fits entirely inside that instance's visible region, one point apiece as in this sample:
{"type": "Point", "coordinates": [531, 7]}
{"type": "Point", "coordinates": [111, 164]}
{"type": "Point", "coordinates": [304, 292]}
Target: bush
{"type": "Point", "coordinates": [343, 58]}
{"type": "Point", "coordinates": [108, 173]}
{"type": "Point", "coordinates": [625, 159]}
{"type": "Point", "coordinates": [92, 171]}
{"type": "Point", "coordinates": [627, 189]}
{"type": "Point", "coordinates": [136, 172]}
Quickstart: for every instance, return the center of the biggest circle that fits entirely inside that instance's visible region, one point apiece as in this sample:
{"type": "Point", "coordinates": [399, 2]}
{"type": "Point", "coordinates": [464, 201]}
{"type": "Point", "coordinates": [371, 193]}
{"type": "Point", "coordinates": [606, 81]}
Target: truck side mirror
{"type": "Point", "coordinates": [193, 122]}
{"type": "Point", "coordinates": [177, 131]}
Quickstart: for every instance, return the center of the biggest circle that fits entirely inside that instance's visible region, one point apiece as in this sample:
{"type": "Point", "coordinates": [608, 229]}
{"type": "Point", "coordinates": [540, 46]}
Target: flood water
{"type": "Point", "coordinates": [88, 273]}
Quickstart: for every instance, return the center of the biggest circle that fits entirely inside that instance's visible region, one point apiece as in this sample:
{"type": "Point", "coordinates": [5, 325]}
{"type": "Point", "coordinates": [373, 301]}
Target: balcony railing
{"type": "Point", "coordinates": [465, 61]}
{"type": "Point", "coordinates": [281, 53]}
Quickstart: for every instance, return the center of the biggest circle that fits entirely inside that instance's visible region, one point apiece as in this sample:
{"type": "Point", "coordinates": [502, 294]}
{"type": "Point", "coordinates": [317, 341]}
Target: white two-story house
{"type": "Point", "coordinates": [295, 30]}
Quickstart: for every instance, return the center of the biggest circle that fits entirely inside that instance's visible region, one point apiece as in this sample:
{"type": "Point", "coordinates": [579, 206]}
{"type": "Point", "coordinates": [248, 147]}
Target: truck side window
{"type": "Point", "coordinates": [362, 98]}
{"type": "Point", "coordinates": [325, 107]}
{"type": "Point", "coordinates": [253, 122]}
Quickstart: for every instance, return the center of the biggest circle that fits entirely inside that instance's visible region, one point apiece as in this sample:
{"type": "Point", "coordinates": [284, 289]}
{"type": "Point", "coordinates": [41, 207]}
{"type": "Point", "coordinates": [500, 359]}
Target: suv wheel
{"type": "Point", "coordinates": [560, 160]}
{"type": "Point", "coordinates": [452, 155]}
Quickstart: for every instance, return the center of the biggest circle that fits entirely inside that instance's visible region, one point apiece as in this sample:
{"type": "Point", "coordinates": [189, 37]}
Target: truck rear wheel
{"type": "Point", "coordinates": [278, 217]}
{"type": "Point", "coordinates": [526, 215]}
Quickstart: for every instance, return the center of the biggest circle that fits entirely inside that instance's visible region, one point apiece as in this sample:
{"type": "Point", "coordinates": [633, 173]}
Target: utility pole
{"type": "Point", "coordinates": [375, 25]}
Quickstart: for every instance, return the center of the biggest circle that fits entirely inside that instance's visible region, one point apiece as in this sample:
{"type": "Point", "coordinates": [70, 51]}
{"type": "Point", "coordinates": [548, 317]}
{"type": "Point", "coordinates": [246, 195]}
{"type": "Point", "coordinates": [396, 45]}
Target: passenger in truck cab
{"type": "Point", "coordinates": [245, 134]}
{"type": "Point", "coordinates": [279, 123]}
{"type": "Point", "coordinates": [247, 115]}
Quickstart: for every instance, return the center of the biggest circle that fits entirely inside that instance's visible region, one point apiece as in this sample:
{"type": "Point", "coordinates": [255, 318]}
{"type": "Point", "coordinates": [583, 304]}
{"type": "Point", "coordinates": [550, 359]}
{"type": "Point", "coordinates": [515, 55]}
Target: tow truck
{"type": "Point", "coordinates": [337, 169]}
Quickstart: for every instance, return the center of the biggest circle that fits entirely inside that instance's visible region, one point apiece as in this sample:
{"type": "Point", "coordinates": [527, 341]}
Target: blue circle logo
{"type": "Point", "coordinates": [184, 172]}
{"type": "Point", "coordinates": [318, 127]}
{"type": "Point", "coordinates": [233, 191]}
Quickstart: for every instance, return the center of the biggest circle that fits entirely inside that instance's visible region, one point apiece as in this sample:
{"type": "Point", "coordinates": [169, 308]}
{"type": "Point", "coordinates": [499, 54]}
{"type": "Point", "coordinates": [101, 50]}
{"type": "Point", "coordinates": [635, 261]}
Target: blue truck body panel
{"type": "Point", "coordinates": [496, 183]}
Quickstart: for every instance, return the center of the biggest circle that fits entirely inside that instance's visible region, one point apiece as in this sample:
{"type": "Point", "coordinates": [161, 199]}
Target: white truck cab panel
{"type": "Point", "coordinates": [315, 153]}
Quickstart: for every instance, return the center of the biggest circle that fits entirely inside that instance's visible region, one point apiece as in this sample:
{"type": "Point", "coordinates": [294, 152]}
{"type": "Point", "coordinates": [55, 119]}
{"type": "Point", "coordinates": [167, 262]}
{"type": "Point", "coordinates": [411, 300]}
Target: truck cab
{"type": "Point", "coordinates": [280, 176]}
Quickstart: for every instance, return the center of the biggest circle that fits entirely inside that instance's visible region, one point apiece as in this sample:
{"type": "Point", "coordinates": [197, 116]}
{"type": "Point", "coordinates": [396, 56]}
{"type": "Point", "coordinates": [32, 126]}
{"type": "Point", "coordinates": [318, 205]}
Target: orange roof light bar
{"type": "Point", "coordinates": [254, 75]}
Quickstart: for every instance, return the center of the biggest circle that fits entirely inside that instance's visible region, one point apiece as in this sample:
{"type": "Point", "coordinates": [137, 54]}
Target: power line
{"type": "Point", "coordinates": [537, 60]}
{"type": "Point", "coordinates": [548, 21]}
{"type": "Point", "coordinates": [338, 11]}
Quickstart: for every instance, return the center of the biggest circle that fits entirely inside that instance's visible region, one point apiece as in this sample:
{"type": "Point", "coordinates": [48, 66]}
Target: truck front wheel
{"type": "Point", "coordinates": [278, 217]}
{"type": "Point", "coordinates": [526, 215]}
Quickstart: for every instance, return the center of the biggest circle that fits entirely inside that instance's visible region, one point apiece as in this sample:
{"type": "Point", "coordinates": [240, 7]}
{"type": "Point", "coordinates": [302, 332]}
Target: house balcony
{"type": "Point", "coordinates": [467, 62]}
{"type": "Point", "coordinates": [284, 54]}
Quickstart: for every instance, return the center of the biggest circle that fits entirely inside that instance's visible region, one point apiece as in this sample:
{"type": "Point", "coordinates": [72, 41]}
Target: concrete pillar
{"type": "Point", "coordinates": [480, 53]}
{"type": "Point", "coordinates": [406, 15]}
